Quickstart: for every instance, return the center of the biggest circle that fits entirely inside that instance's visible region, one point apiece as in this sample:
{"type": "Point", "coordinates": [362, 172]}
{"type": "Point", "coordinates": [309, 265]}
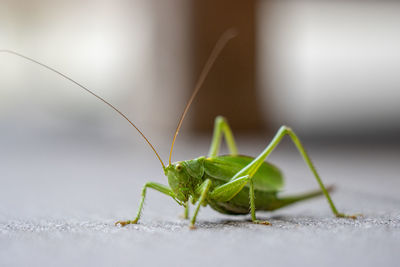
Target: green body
{"type": "Point", "coordinates": [232, 184]}
{"type": "Point", "coordinates": [267, 182]}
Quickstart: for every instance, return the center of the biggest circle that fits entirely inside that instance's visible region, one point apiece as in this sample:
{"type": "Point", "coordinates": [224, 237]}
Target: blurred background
{"type": "Point", "coordinates": [328, 69]}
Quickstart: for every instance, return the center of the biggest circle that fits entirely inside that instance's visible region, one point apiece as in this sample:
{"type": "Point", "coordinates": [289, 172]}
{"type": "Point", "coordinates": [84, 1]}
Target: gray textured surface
{"type": "Point", "coordinates": [59, 204]}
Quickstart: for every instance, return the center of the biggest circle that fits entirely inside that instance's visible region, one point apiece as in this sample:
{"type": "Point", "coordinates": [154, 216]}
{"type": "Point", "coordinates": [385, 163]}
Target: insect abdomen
{"type": "Point", "coordinates": [240, 204]}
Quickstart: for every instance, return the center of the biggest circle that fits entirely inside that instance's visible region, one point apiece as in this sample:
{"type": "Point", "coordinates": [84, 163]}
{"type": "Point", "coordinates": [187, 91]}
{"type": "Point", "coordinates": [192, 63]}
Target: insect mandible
{"type": "Point", "coordinates": [230, 184]}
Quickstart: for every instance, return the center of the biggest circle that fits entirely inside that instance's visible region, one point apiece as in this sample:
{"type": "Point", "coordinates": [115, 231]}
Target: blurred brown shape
{"type": "Point", "coordinates": [229, 90]}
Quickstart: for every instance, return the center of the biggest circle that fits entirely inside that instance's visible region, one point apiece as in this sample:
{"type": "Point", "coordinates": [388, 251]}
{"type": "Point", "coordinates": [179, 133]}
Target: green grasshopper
{"type": "Point", "coordinates": [230, 184]}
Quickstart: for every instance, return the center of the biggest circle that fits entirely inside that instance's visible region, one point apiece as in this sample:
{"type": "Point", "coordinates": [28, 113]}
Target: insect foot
{"type": "Point", "coordinates": [354, 216]}
{"type": "Point", "coordinates": [123, 223]}
{"type": "Point", "coordinates": [192, 227]}
{"type": "Point", "coordinates": [262, 222]}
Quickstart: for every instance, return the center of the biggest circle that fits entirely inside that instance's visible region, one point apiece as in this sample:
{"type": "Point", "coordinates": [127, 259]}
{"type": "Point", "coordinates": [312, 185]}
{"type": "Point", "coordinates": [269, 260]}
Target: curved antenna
{"type": "Point", "coordinates": [222, 41]}
{"type": "Point", "coordinates": [90, 92]}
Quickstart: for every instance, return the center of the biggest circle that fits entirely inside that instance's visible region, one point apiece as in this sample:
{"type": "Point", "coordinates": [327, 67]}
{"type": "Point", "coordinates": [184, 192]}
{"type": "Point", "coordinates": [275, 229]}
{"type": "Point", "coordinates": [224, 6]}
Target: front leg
{"type": "Point", "coordinates": [203, 191]}
{"type": "Point", "coordinates": [185, 214]}
{"type": "Point", "coordinates": [156, 186]}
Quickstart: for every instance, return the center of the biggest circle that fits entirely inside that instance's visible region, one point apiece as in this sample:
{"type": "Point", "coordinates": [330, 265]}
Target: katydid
{"type": "Point", "coordinates": [230, 184]}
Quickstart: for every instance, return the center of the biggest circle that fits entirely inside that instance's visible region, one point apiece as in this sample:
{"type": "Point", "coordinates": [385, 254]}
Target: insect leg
{"type": "Point", "coordinates": [253, 205]}
{"type": "Point", "coordinates": [229, 190]}
{"type": "Point", "coordinates": [186, 210]}
{"type": "Point", "coordinates": [203, 190]}
{"type": "Point", "coordinates": [252, 167]}
{"type": "Point", "coordinates": [156, 186]}
{"type": "Point", "coordinates": [221, 126]}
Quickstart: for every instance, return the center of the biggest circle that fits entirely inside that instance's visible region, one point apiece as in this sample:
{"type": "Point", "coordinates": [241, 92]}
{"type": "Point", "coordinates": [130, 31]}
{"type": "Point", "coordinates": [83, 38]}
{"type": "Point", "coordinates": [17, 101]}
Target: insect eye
{"type": "Point", "coordinates": [178, 167]}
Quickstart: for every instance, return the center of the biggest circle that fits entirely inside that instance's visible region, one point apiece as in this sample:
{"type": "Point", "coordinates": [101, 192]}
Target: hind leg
{"type": "Point", "coordinates": [253, 166]}
{"type": "Point", "coordinates": [229, 190]}
{"type": "Point", "coordinates": [221, 127]}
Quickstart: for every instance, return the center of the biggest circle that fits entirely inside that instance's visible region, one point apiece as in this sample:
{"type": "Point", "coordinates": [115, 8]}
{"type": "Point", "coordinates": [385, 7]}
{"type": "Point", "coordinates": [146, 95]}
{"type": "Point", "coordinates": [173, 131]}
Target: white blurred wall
{"type": "Point", "coordinates": [326, 67]}
{"type": "Point", "coordinates": [331, 67]}
{"type": "Point", "coordinates": [132, 53]}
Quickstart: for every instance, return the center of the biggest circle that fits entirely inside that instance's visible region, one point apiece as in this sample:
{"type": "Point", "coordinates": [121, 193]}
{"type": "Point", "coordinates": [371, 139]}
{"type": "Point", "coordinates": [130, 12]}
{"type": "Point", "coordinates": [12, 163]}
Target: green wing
{"type": "Point", "coordinates": [223, 168]}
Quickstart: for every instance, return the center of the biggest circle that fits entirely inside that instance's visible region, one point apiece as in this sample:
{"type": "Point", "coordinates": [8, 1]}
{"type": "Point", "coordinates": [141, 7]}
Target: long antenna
{"type": "Point", "coordinates": [90, 92]}
{"type": "Point", "coordinates": [222, 41]}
